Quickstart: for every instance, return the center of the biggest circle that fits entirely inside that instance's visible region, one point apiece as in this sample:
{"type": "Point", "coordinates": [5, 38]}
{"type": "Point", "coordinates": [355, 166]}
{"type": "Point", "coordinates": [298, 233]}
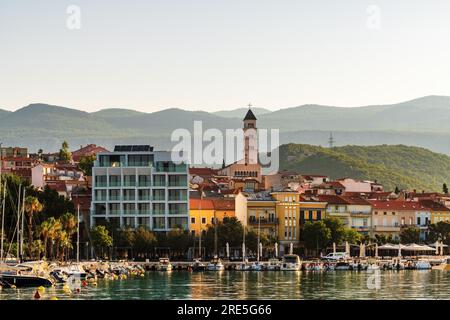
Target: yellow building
{"type": "Point", "coordinates": [293, 211]}
{"type": "Point", "coordinates": [438, 211]}
{"type": "Point", "coordinates": [202, 213]}
{"type": "Point", "coordinates": [261, 214]}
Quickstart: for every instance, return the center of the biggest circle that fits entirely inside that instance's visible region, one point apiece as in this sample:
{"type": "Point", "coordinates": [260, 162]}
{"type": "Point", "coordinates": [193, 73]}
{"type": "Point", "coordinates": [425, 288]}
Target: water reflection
{"type": "Point", "coordinates": [259, 285]}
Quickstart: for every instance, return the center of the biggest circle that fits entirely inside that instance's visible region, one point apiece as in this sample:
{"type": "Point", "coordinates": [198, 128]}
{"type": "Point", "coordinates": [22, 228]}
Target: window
{"type": "Point", "coordinates": [192, 220]}
{"type": "Point", "coordinates": [385, 213]}
{"type": "Point", "coordinates": [393, 213]}
{"type": "Point", "coordinates": [203, 220]}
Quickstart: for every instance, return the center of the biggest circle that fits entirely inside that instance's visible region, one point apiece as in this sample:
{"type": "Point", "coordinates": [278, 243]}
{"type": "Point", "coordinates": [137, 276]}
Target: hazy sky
{"type": "Point", "coordinates": [211, 55]}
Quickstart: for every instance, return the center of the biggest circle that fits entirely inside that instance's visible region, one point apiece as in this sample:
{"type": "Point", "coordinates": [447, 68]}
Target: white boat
{"type": "Point", "coordinates": [373, 266]}
{"type": "Point", "coordinates": [164, 265]}
{"type": "Point", "coordinates": [244, 266]}
{"type": "Point", "coordinates": [342, 266]}
{"type": "Point", "coordinates": [422, 265]}
{"type": "Point", "coordinates": [273, 265]}
{"type": "Point", "coordinates": [256, 266]}
{"type": "Point", "coordinates": [443, 266]}
{"type": "Point", "coordinates": [215, 265]}
{"type": "Point", "coordinates": [291, 262]}
{"type": "Point", "coordinates": [314, 267]}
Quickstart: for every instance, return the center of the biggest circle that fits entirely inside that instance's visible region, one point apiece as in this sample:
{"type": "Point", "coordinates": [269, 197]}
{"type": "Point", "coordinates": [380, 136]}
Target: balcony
{"type": "Point", "coordinates": [387, 228]}
{"type": "Point", "coordinates": [129, 183]}
{"type": "Point", "coordinates": [145, 184]}
{"type": "Point", "coordinates": [115, 198]}
{"type": "Point", "coordinates": [129, 198]}
{"type": "Point", "coordinates": [263, 221]}
{"type": "Point", "coordinates": [161, 212]}
{"type": "Point", "coordinates": [144, 198]}
{"type": "Point", "coordinates": [159, 198]}
{"type": "Point", "coordinates": [100, 184]}
{"type": "Point", "coordinates": [159, 183]}
{"type": "Point", "coordinates": [114, 212]}
{"type": "Point", "coordinates": [114, 183]}
{"type": "Point", "coordinates": [130, 212]}
{"type": "Point", "coordinates": [178, 198]}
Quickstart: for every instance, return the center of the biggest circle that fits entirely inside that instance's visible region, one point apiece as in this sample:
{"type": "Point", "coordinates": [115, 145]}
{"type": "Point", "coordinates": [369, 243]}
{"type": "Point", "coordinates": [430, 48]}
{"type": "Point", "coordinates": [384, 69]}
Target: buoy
{"type": "Point", "coordinates": [41, 289]}
{"type": "Point", "coordinates": [13, 286]}
{"type": "Point", "coordinates": [53, 298]}
{"type": "Point", "coordinates": [84, 283]}
{"type": "Point", "coordinates": [78, 290]}
{"type": "Point", "coordinates": [94, 284]}
{"type": "Point", "coordinates": [37, 295]}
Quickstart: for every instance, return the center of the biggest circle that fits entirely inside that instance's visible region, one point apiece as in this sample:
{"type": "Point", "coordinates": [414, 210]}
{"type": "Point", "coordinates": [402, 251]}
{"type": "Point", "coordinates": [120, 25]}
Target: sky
{"type": "Point", "coordinates": [214, 55]}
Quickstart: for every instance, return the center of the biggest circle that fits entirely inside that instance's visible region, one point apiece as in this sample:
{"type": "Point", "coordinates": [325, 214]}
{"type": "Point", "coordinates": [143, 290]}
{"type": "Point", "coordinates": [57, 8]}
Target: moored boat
{"type": "Point", "coordinates": [215, 265]}
{"type": "Point", "coordinates": [291, 262]}
{"type": "Point", "coordinates": [164, 265]}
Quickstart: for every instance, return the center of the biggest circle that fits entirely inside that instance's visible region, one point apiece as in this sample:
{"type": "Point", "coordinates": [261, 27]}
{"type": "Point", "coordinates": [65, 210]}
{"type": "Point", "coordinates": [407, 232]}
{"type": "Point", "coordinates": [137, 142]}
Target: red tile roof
{"type": "Point", "coordinates": [397, 205]}
{"type": "Point", "coordinates": [204, 204]}
{"type": "Point", "coordinates": [433, 205]}
{"type": "Point", "coordinates": [333, 199]}
{"type": "Point", "coordinates": [223, 204]}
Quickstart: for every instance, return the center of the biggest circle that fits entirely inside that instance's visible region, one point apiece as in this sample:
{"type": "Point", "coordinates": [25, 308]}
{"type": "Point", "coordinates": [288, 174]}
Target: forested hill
{"type": "Point", "coordinates": [392, 165]}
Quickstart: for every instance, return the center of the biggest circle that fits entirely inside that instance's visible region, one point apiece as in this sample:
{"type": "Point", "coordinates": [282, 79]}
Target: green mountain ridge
{"type": "Point", "coordinates": [421, 122]}
{"type": "Point", "coordinates": [392, 165]}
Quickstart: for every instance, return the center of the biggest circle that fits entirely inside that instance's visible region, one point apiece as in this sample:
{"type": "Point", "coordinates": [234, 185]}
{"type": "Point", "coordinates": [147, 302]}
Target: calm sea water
{"type": "Point", "coordinates": [406, 284]}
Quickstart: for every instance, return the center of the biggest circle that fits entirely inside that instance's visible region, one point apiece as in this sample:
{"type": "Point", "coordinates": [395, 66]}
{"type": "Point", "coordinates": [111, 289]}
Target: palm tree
{"type": "Point", "coordinates": [69, 226]}
{"type": "Point", "coordinates": [54, 231]}
{"type": "Point", "coordinates": [44, 231]}
{"type": "Point", "coordinates": [65, 243]}
{"type": "Point", "coordinates": [32, 206]}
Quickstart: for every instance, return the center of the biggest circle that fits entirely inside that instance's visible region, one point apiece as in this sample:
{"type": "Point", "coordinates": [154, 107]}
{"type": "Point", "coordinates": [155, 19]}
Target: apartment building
{"type": "Point", "coordinates": [134, 186]}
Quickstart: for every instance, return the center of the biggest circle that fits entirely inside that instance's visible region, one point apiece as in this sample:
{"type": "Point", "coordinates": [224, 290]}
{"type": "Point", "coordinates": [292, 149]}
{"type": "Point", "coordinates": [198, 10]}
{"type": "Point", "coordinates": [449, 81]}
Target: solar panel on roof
{"type": "Point", "coordinates": [131, 148]}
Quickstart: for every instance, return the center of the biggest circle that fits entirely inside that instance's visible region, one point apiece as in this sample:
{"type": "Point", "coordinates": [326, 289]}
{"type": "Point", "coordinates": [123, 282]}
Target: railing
{"type": "Point", "coordinates": [178, 184]}
{"type": "Point", "coordinates": [159, 183]}
{"type": "Point", "coordinates": [159, 212]}
{"type": "Point", "coordinates": [129, 198]}
{"type": "Point", "coordinates": [115, 198]}
{"type": "Point", "coordinates": [144, 198]}
{"type": "Point", "coordinates": [114, 212]}
{"type": "Point", "coordinates": [130, 212]}
{"type": "Point", "coordinates": [114, 183]}
{"type": "Point", "coordinates": [159, 198]}
{"type": "Point", "coordinates": [129, 183]}
{"type": "Point", "coordinates": [139, 164]}
{"type": "Point", "coordinates": [146, 212]}
{"type": "Point", "coordinates": [263, 221]}
{"type": "Point", "coordinates": [145, 183]}
{"type": "Point", "coordinates": [101, 198]}
{"type": "Point", "coordinates": [178, 212]}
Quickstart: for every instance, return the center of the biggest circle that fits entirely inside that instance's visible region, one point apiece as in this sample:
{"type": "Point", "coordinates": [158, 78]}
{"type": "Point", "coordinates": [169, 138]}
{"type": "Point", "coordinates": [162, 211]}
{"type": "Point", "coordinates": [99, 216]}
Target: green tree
{"type": "Point", "coordinates": [352, 236]}
{"type": "Point", "coordinates": [32, 206]}
{"type": "Point", "coordinates": [410, 235]}
{"type": "Point", "coordinates": [178, 240]}
{"type": "Point", "coordinates": [440, 230]}
{"type": "Point", "coordinates": [64, 152]}
{"type": "Point", "coordinates": [101, 239]}
{"type": "Point", "coordinates": [144, 241]}
{"type": "Point", "coordinates": [229, 230]}
{"type": "Point", "coordinates": [337, 229]}
{"type": "Point", "coordinates": [445, 188]}
{"type": "Point", "coordinates": [316, 235]}
{"type": "Point", "coordinates": [86, 163]}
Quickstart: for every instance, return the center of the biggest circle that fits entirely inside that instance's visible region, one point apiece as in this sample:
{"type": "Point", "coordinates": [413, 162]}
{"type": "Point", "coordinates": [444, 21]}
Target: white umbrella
{"type": "Point", "coordinates": [442, 248]}
{"type": "Point", "coordinates": [437, 250]}
{"type": "Point", "coordinates": [347, 248]}
{"type": "Point", "coordinates": [260, 249]}
{"type": "Point", "coordinates": [334, 247]}
{"type": "Point", "coordinates": [243, 250]}
{"type": "Point", "coordinates": [228, 250]}
{"type": "Point", "coordinates": [362, 252]}
{"type": "Point", "coordinates": [291, 248]}
{"type": "Point", "coordinates": [276, 250]}
{"type": "Point", "coordinates": [376, 249]}
{"type": "Point", "coordinates": [399, 250]}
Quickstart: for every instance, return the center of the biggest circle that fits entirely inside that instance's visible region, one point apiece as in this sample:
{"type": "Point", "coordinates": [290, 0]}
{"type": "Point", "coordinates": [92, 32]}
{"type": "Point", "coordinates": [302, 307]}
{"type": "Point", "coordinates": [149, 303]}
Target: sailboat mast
{"type": "Point", "coordinates": [259, 230]}
{"type": "Point", "coordinates": [3, 219]}
{"type": "Point", "coordinates": [215, 234]}
{"type": "Point", "coordinates": [22, 216]}
{"type": "Point", "coordinates": [78, 233]}
{"type": "Point", "coordinates": [19, 198]}
{"type": "Point", "coordinates": [243, 246]}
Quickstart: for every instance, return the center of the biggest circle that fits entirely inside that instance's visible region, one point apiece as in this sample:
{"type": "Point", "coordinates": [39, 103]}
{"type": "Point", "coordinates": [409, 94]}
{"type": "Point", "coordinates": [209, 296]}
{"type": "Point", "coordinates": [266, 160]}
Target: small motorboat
{"type": "Point", "coordinates": [422, 265]}
{"type": "Point", "coordinates": [273, 265]}
{"type": "Point", "coordinates": [24, 280]}
{"type": "Point", "coordinates": [164, 265]}
{"type": "Point", "coordinates": [443, 266]}
{"type": "Point", "coordinates": [342, 266]}
{"type": "Point", "coordinates": [215, 265]}
{"type": "Point", "coordinates": [291, 262]}
{"type": "Point", "coordinates": [256, 266]}
{"type": "Point", "coordinates": [198, 265]}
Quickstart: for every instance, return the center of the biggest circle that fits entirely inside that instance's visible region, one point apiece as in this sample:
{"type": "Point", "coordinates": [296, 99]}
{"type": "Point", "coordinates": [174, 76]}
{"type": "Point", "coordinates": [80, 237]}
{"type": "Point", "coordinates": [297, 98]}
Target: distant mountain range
{"type": "Point", "coordinates": [423, 122]}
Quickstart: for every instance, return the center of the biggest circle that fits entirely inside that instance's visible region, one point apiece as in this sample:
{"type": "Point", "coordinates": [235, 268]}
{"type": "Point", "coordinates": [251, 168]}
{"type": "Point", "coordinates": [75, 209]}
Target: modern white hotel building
{"type": "Point", "coordinates": [135, 186]}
